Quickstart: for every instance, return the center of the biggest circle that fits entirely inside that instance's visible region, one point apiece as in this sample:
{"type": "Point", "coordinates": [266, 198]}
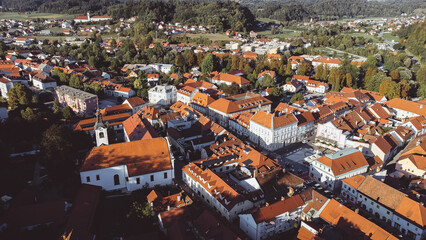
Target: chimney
{"type": "Point", "coordinates": [356, 211]}
{"type": "Point", "coordinates": [179, 197]}
{"type": "Point", "coordinates": [421, 106]}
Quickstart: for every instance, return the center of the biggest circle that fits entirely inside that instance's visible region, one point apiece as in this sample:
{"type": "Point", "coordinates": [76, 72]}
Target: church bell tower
{"type": "Point", "coordinates": [101, 130]}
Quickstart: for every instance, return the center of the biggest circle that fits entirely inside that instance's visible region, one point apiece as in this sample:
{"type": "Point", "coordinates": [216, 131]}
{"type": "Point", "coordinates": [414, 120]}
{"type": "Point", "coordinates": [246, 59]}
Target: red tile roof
{"type": "Point", "coordinates": [273, 120]}
{"type": "Point", "coordinates": [342, 217]}
{"type": "Point", "coordinates": [344, 164]}
{"type": "Point", "coordinates": [408, 106]}
{"type": "Point", "coordinates": [138, 128]}
{"type": "Point", "coordinates": [231, 78]}
{"type": "Point", "coordinates": [140, 157]}
{"type": "Point", "coordinates": [278, 208]}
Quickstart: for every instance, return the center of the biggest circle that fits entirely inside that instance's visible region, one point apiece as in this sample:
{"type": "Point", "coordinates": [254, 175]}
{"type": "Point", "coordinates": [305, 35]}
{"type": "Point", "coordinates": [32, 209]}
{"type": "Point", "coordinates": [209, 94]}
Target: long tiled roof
{"type": "Point", "coordinates": [240, 102]}
{"type": "Point", "coordinates": [278, 208]}
{"type": "Point", "coordinates": [273, 120]}
{"type": "Point", "coordinates": [140, 157]}
{"type": "Point", "coordinates": [344, 161]}
{"type": "Point", "coordinates": [407, 106]}
{"type": "Point", "coordinates": [231, 78]}
{"type": "Point", "coordinates": [339, 215]}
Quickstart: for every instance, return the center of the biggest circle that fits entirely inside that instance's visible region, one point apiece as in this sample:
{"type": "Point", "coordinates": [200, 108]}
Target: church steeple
{"type": "Point", "coordinates": [101, 130]}
{"type": "Point", "coordinates": [99, 122]}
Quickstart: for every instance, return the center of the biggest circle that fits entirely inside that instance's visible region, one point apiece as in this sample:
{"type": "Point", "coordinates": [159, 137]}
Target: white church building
{"type": "Point", "coordinates": [130, 165]}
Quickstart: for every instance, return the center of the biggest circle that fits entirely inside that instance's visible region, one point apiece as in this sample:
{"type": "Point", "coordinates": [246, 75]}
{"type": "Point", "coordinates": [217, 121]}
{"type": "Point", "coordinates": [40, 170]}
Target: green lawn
{"type": "Point", "coordinates": [268, 20]}
{"type": "Point", "coordinates": [365, 35]}
{"type": "Point", "coordinates": [210, 36]}
{"type": "Point", "coordinates": [286, 33]}
{"type": "Point", "coordinates": [53, 38]}
{"type": "Point", "coordinates": [33, 15]}
{"type": "Point", "coordinates": [390, 37]}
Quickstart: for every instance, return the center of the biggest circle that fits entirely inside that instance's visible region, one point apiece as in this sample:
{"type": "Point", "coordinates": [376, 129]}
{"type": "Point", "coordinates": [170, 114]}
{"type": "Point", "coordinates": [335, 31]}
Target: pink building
{"type": "Point", "coordinates": [82, 103]}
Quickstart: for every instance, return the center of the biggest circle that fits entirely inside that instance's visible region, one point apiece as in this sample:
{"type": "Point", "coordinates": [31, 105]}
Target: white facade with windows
{"type": "Point", "coordinates": [266, 229]}
{"type": "Point", "coordinates": [162, 95]}
{"type": "Point", "coordinates": [329, 133]}
{"type": "Point", "coordinates": [117, 177]}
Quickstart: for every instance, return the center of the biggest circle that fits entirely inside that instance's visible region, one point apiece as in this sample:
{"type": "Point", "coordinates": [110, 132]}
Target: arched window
{"type": "Point", "coordinates": [101, 135]}
{"type": "Point", "coordinates": [116, 179]}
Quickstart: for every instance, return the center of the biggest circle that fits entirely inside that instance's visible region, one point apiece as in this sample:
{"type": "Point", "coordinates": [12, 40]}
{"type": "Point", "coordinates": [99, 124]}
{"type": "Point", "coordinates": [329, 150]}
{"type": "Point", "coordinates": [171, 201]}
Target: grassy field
{"type": "Point", "coordinates": [59, 38]}
{"type": "Point", "coordinates": [286, 33]}
{"type": "Point", "coordinates": [365, 35]}
{"type": "Point", "coordinates": [210, 36]}
{"type": "Point", "coordinates": [390, 37]}
{"type": "Point", "coordinates": [33, 15]}
{"type": "Point", "coordinates": [268, 20]}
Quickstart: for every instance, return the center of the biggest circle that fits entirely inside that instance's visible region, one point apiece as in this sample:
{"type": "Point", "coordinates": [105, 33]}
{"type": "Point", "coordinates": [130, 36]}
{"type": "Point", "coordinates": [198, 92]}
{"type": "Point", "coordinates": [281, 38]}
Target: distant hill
{"type": "Point", "coordinates": [332, 9]}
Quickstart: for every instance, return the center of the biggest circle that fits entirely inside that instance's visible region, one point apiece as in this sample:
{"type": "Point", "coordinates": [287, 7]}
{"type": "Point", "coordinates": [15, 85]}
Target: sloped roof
{"type": "Point", "coordinates": [354, 181]}
{"type": "Point", "coordinates": [231, 78]}
{"type": "Point", "coordinates": [273, 120]}
{"type": "Point", "coordinates": [381, 192]}
{"type": "Point", "coordinates": [342, 217]}
{"type": "Point", "coordinates": [138, 128]}
{"type": "Point", "coordinates": [135, 101]}
{"type": "Point", "coordinates": [202, 99]}
{"type": "Point", "coordinates": [344, 161]}
{"type": "Point", "coordinates": [412, 210]}
{"type": "Point", "coordinates": [406, 105]}
{"type": "Point", "coordinates": [278, 208]}
{"type": "Point", "coordinates": [140, 157]}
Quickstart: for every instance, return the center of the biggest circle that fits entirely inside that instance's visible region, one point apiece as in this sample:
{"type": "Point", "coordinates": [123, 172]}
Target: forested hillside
{"type": "Point", "coordinates": [222, 15]}
{"type": "Point", "coordinates": [334, 9]}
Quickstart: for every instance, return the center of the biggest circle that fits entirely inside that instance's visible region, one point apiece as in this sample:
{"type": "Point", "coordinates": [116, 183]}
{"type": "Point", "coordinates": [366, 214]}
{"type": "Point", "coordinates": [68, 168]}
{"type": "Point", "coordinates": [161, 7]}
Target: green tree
{"type": "Point", "coordinates": [140, 211]}
{"type": "Point", "coordinates": [319, 72]}
{"type": "Point", "coordinates": [28, 114]}
{"type": "Point", "coordinates": [349, 81]}
{"type": "Point", "coordinates": [68, 113]}
{"type": "Point", "coordinates": [305, 68]}
{"type": "Point", "coordinates": [371, 62]}
{"type": "Point", "coordinates": [276, 92]}
{"type": "Point", "coordinates": [56, 106]}
{"type": "Point", "coordinates": [207, 66]}
{"type": "Point", "coordinates": [179, 61]}
{"type": "Point", "coordinates": [57, 150]}
{"type": "Point", "coordinates": [273, 31]}
{"type": "Point", "coordinates": [267, 81]}
{"type": "Point", "coordinates": [421, 80]}
{"type": "Point", "coordinates": [76, 82]}
{"type": "Point", "coordinates": [137, 84]}
{"type": "Point", "coordinates": [296, 97]}
{"type": "Point", "coordinates": [19, 95]}
{"type": "Point", "coordinates": [233, 89]}
{"type": "Point", "coordinates": [394, 75]}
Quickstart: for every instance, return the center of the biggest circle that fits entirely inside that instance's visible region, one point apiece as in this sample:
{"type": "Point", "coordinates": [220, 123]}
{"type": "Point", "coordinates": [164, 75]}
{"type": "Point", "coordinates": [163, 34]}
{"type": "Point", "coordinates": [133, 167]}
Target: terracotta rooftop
{"type": "Point", "coordinates": [240, 102]}
{"type": "Point", "coordinates": [135, 101]}
{"type": "Point", "coordinates": [140, 157]}
{"type": "Point", "coordinates": [344, 161]}
{"type": "Point", "coordinates": [278, 208]}
{"type": "Point", "coordinates": [83, 212]}
{"type": "Point", "coordinates": [273, 120]}
{"type": "Point", "coordinates": [230, 78]}
{"type": "Point", "coordinates": [412, 210]}
{"type": "Point", "coordinates": [407, 106]}
{"type": "Point", "coordinates": [117, 109]}
{"type": "Point", "coordinates": [381, 192]}
{"type": "Point", "coordinates": [345, 219]}
{"type": "Point", "coordinates": [202, 99]}
{"type": "Point", "coordinates": [138, 128]}
{"type": "Point", "coordinates": [354, 181]}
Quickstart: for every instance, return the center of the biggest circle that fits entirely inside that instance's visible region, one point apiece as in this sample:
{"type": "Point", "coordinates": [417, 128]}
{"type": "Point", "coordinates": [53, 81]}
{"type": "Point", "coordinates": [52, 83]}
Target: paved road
{"type": "Point", "coordinates": [361, 58]}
